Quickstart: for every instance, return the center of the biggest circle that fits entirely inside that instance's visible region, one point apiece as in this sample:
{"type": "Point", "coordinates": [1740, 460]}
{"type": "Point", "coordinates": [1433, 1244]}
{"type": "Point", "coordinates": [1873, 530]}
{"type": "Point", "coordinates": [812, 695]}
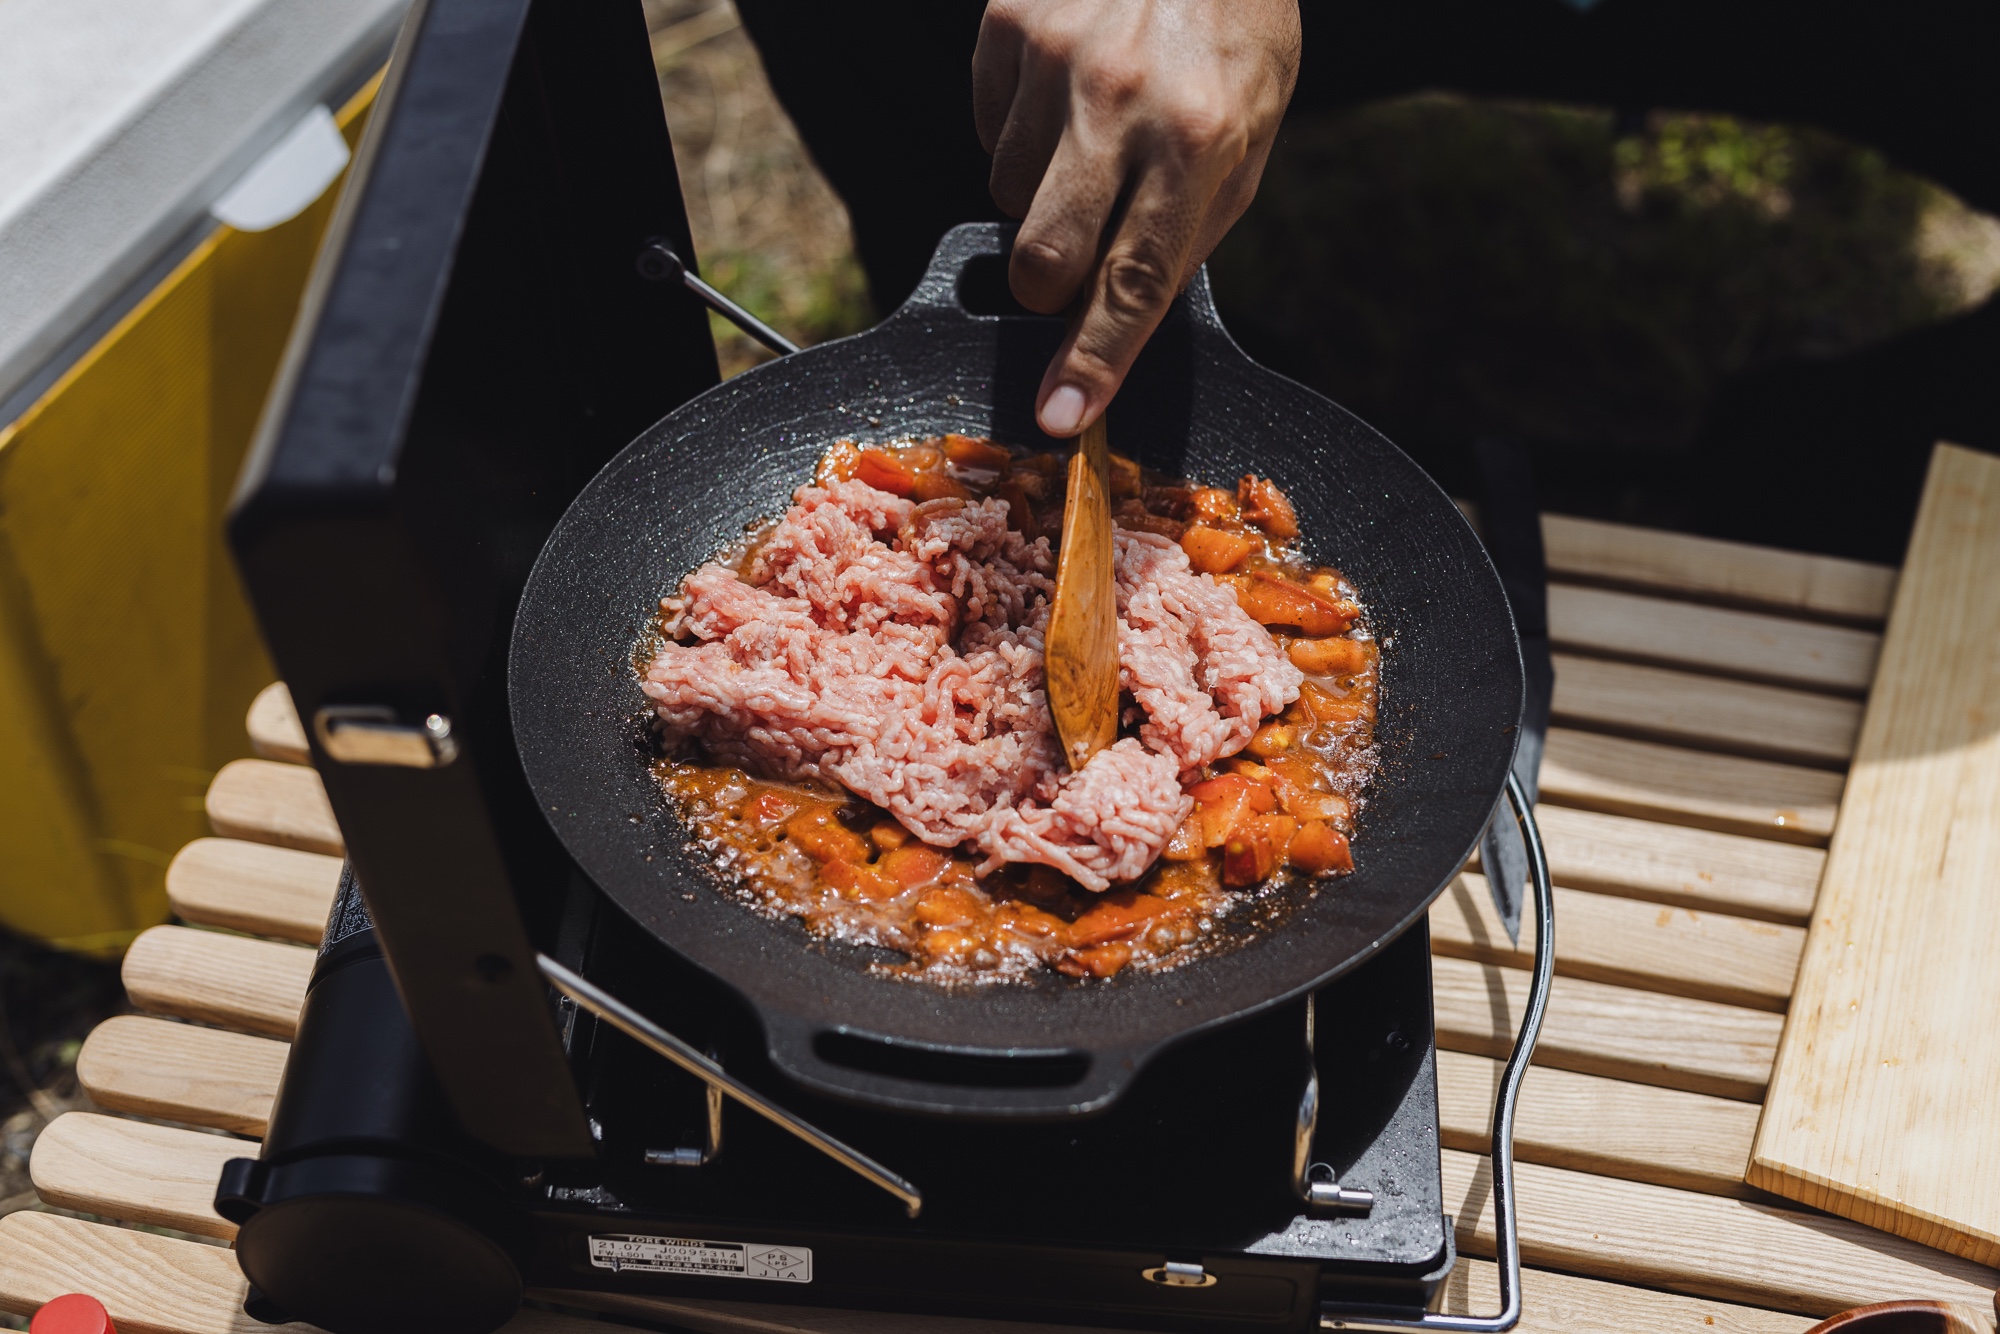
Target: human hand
{"type": "Point", "coordinates": [1129, 135]}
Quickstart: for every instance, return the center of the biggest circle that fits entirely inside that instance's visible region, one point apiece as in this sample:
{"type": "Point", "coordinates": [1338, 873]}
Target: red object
{"type": "Point", "coordinates": [73, 1314]}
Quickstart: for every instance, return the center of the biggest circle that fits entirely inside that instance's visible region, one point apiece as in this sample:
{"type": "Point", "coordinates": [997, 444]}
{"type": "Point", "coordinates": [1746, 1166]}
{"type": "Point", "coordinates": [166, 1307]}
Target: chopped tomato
{"type": "Point", "coordinates": [1328, 806]}
{"type": "Point", "coordinates": [1329, 657]}
{"type": "Point", "coordinates": [1266, 507]}
{"type": "Point", "coordinates": [1103, 961]}
{"type": "Point", "coordinates": [1247, 856]}
{"type": "Point", "coordinates": [1326, 586]}
{"type": "Point", "coordinates": [1320, 849]}
{"type": "Point", "coordinates": [1297, 783]}
{"type": "Point", "coordinates": [1116, 914]}
{"type": "Point", "coordinates": [1173, 501]}
{"type": "Point", "coordinates": [967, 452]}
{"type": "Point", "coordinates": [885, 472]}
{"type": "Point", "coordinates": [858, 880]}
{"type": "Point", "coordinates": [838, 463]}
{"type": "Point", "coordinates": [1030, 920]}
{"type": "Point", "coordinates": [1030, 481]}
{"type": "Point", "coordinates": [823, 838]}
{"type": "Point", "coordinates": [1187, 843]}
{"type": "Point", "coordinates": [1133, 515]}
{"type": "Point", "coordinates": [1279, 829]}
{"type": "Point", "coordinates": [1211, 504]}
{"type": "Point", "coordinates": [1328, 706]}
{"type": "Point", "coordinates": [935, 485]}
{"type": "Point", "coordinates": [914, 864]}
{"type": "Point", "coordinates": [943, 943]}
{"type": "Point", "coordinates": [947, 905]}
{"type": "Point", "coordinates": [1020, 513]}
{"type": "Point", "coordinates": [1212, 551]}
{"type": "Point", "coordinates": [1179, 881]}
{"type": "Point", "coordinates": [1256, 791]}
{"type": "Point", "coordinates": [1273, 740]}
{"type": "Point", "coordinates": [1271, 600]}
{"type": "Point", "coordinates": [769, 808]}
{"type": "Point", "coordinates": [1224, 803]}
{"type": "Point", "coordinates": [888, 835]}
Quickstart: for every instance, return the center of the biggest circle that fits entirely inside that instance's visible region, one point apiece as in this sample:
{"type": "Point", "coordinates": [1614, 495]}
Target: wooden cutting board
{"type": "Point", "coordinates": [1885, 1102]}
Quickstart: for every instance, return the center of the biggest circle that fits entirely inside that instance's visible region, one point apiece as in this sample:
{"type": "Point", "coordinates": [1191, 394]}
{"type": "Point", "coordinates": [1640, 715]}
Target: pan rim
{"type": "Point", "coordinates": [815, 379]}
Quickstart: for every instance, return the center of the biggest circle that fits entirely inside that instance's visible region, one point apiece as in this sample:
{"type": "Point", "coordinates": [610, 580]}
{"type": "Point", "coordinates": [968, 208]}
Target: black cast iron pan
{"type": "Point", "coordinates": [1195, 406]}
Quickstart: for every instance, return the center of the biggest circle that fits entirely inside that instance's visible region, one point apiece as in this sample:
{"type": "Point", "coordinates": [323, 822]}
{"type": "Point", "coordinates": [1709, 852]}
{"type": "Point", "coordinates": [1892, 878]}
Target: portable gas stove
{"type": "Point", "coordinates": [487, 326]}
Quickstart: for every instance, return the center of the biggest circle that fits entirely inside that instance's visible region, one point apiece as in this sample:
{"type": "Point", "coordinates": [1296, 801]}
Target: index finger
{"type": "Point", "coordinates": [1127, 296]}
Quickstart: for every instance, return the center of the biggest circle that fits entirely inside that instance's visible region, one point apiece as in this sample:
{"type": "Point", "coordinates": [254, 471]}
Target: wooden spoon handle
{"type": "Point", "coordinates": [1081, 652]}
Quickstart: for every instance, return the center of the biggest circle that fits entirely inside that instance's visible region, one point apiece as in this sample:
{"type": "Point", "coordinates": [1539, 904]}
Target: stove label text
{"type": "Point", "coordinates": [709, 1259]}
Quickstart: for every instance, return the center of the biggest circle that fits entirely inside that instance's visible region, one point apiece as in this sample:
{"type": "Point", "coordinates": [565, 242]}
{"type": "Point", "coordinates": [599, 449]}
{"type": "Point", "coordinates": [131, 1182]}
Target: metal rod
{"type": "Point", "coordinates": [659, 263]}
{"type": "Point", "coordinates": [1507, 1240]}
{"type": "Point", "coordinates": [650, 1035]}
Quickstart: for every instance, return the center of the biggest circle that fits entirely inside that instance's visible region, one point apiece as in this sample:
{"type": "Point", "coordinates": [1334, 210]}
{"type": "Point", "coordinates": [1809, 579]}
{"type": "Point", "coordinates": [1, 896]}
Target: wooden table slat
{"type": "Point", "coordinates": [152, 1284]}
{"type": "Point", "coordinates": [1641, 1036]}
{"type": "Point", "coordinates": [1726, 572]}
{"type": "Point", "coordinates": [1675, 785]}
{"type": "Point", "coordinates": [1629, 943]}
{"type": "Point", "coordinates": [1680, 866]}
{"type": "Point", "coordinates": [1641, 1132]}
{"type": "Point", "coordinates": [254, 887]}
{"type": "Point", "coordinates": [255, 986]}
{"type": "Point", "coordinates": [148, 1283]}
{"type": "Point", "coordinates": [267, 802]}
{"type": "Point", "coordinates": [1736, 717]}
{"type": "Point", "coordinates": [274, 727]}
{"type": "Point", "coordinates": [1706, 1245]}
{"type": "Point", "coordinates": [210, 1078]}
{"type": "Point", "coordinates": [182, 1072]}
{"type": "Point", "coordinates": [1713, 640]}
{"type": "Point", "coordinates": [1553, 1303]}
{"type": "Point", "coordinates": [1672, 1040]}
{"type": "Point", "coordinates": [135, 1171]}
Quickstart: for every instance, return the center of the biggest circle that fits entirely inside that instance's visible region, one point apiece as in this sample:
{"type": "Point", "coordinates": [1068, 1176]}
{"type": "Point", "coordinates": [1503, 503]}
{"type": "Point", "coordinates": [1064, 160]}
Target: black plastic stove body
{"type": "Point", "coordinates": [1072, 1221]}
{"type": "Point", "coordinates": [475, 344]}
{"type": "Point", "coordinates": [372, 1210]}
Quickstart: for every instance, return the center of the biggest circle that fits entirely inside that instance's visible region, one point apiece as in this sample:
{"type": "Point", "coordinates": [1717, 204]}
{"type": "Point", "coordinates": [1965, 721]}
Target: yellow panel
{"type": "Point", "coordinates": [127, 654]}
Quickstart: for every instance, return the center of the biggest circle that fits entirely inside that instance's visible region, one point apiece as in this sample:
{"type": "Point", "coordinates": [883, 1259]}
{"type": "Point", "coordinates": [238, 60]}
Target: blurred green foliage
{"type": "Point", "coordinates": [808, 304]}
{"type": "Point", "coordinates": [1447, 267]}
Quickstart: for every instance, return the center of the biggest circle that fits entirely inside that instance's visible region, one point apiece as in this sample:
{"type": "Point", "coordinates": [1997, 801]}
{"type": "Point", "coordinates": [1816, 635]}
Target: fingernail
{"type": "Point", "coordinates": [1062, 414]}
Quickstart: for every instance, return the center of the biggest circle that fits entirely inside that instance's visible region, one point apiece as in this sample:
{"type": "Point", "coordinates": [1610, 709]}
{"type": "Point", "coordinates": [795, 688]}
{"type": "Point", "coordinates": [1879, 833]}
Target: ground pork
{"type": "Point", "coordinates": [896, 649]}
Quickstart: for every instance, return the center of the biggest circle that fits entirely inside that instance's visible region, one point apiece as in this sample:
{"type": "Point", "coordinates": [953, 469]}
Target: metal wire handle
{"type": "Point", "coordinates": [658, 263]}
{"type": "Point", "coordinates": [659, 1041]}
{"type": "Point", "coordinates": [1507, 1239]}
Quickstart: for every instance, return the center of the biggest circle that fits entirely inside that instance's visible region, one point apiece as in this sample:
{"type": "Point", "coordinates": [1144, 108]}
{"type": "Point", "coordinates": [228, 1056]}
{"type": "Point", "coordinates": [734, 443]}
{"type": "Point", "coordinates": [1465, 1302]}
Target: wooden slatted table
{"type": "Point", "coordinates": [1707, 701]}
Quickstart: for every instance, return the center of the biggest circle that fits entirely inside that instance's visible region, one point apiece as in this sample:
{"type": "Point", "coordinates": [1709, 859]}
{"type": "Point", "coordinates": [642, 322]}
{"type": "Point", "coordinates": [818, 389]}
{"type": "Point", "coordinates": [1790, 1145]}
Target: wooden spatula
{"type": "Point", "coordinates": [1081, 653]}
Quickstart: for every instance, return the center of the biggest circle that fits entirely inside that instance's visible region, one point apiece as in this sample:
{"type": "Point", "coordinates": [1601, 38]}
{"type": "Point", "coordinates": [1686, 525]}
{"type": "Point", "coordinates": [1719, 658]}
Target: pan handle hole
{"type": "Point", "coordinates": [951, 1068]}
{"type": "Point", "coordinates": [983, 290]}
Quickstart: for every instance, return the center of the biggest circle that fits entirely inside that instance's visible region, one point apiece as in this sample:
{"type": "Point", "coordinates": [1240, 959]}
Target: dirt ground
{"type": "Point", "coordinates": [48, 1002]}
{"type": "Point", "coordinates": [1441, 266]}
